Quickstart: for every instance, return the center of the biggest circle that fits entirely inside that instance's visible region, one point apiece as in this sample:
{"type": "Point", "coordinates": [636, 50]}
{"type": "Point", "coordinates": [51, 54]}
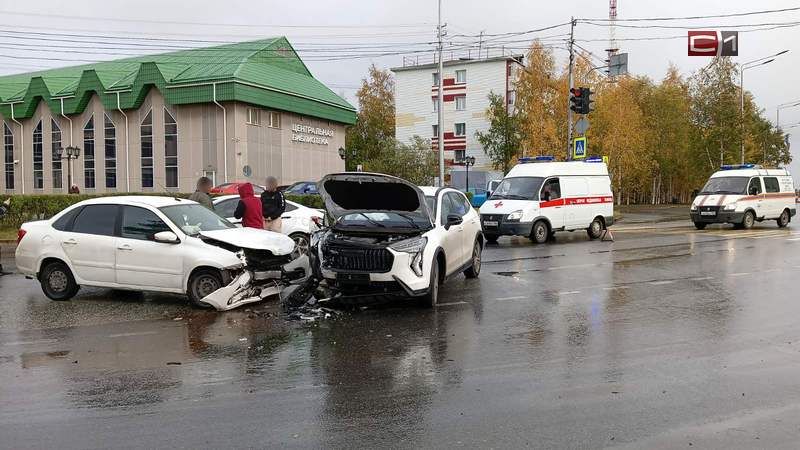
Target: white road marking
{"type": "Point", "coordinates": [518, 297]}
{"type": "Point", "coordinates": [659, 283]}
{"type": "Point", "coordinates": [701, 278]}
{"type": "Point", "coordinates": [138, 333]}
{"type": "Point", "coordinates": [612, 288]}
{"type": "Point", "coordinates": [739, 274]}
{"type": "Point", "coordinates": [452, 304]}
{"type": "Point", "coordinates": [41, 341]}
{"type": "Point", "coordinates": [569, 292]}
{"type": "Point", "coordinates": [794, 239]}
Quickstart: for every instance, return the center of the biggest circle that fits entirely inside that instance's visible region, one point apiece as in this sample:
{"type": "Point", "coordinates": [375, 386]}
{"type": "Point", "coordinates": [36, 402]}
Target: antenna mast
{"type": "Point", "coordinates": [612, 25]}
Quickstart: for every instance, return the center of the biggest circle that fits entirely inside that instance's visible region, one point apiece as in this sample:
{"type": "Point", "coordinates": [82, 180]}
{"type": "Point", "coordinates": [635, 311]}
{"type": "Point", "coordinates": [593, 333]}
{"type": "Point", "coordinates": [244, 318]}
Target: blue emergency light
{"type": "Point", "coordinates": [535, 159]}
{"type": "Point", "coordinates": [738, 166]}
{"type": "Point", "coordinates": [594, 159]}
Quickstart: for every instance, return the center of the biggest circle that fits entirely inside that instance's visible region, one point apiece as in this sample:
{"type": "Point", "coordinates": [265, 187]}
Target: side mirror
{"type": "Point", "coordinates": [453, 219]}
{"type": "Point", "coordinates": [166, 237]}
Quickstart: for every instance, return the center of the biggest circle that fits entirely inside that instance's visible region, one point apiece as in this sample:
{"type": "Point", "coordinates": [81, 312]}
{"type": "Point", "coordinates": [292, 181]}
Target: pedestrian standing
{"type": "Point", "coordinates": [249, 208]}
{"type": "Point", "coordinates": [273, 205]}
{"type": "Point", "coordinates": [200, 195]}
{"type": "Point", "coordinates": [74, 189]}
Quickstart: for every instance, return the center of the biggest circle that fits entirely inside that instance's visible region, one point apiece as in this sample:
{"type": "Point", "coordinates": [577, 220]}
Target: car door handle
{"type": "Point", "coordinates": [125, 247]}
{"type": "Point", "coordinates": [70, 242]}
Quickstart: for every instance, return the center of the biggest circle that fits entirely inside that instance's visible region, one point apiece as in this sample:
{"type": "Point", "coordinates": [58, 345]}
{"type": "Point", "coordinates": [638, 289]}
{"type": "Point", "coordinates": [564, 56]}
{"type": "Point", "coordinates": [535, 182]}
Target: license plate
{"type": "Point", "coordinates": [489, 223]}
{"type": "Point", "coordinates": [708, 213]}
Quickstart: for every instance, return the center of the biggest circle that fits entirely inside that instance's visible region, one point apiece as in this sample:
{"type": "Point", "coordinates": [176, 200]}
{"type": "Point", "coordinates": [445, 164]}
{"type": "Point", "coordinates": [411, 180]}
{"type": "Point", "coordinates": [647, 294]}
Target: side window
{"type": "Point", "coordinates": [458, 204]}
{"type": "Point", "coordinates": [96, 219]}
{"type": "Point", "coordinates": [551, 190]}
{"type": "Point", "coordinates": [140, 223]}
{"type": "Point", "coordinates": [64, 222]}
{"type": "Point", "coordinates": [446, 209]}
{"type": "Point", "coordinates": [771, 184]}
{"type": "Point", "coordinates": [754, 188]}
{"type": "Point", "coordinates": [226, 208]}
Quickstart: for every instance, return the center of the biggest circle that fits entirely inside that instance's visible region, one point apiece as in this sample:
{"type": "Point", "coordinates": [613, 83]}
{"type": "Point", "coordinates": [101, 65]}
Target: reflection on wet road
{"type": "Point", "coordinates": [663, 338]}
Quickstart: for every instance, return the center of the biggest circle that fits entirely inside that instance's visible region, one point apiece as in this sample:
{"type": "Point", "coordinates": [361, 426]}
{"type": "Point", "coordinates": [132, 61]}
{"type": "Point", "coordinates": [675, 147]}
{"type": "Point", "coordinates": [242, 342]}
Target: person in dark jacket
{"type": "Point", "coordinates": [249, 208]}
{"type": "Point", "coordinates": [200, 195]}
{"type": "Point", "coordinates": [273, 205]}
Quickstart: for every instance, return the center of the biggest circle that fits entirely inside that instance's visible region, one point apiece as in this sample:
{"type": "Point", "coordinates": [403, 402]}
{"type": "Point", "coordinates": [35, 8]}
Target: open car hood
{"type": "Point", "coordinates": [345, 193]}
{"type": "Point", "coordinates": [254, 239]}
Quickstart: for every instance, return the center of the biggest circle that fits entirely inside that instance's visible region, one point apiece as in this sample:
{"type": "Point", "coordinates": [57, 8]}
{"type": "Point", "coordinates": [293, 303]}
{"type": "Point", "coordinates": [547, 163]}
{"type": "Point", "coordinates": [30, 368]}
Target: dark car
{"type": "Point", "coordinates": [302, 188]}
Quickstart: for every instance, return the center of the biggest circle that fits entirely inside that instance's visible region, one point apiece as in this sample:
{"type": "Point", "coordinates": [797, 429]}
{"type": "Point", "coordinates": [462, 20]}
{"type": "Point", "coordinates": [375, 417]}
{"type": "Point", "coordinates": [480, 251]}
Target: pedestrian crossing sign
{"type": "Point", "coordinates": [579, 148]}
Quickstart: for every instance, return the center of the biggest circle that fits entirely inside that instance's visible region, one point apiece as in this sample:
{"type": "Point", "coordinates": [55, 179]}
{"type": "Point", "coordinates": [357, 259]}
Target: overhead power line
{"type": "Point", "coordinates": [713, 16]}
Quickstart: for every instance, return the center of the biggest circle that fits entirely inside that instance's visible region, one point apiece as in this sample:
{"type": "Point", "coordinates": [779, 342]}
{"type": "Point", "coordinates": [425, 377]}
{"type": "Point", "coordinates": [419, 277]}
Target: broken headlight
{"type": "Point", "coordinates": [414, 246]}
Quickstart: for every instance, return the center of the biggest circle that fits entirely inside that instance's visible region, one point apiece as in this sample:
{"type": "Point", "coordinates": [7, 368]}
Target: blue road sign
{"type": "Point", "coordinates": [579, 148]}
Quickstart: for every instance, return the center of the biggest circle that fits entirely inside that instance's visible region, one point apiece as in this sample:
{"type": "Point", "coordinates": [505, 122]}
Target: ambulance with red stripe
{"type": "Point", "coordinates": [540, 196]}
{"type": "Point", "coordinates": [743, 195]}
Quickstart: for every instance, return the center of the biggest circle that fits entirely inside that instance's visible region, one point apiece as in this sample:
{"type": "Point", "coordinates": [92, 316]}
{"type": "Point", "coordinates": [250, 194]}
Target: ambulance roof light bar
{"type": "Point", "coordinates": [535, 159]}
{"type": "Point", "coordinates": [593, 159]}
{"type": "Point", "coordinates": [739, 166]}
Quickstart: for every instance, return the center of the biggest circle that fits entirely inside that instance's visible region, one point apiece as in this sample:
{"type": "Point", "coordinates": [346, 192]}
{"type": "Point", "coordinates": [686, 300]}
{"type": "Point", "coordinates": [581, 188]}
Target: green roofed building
{"type": "Point", "coordinates": [236, 112]}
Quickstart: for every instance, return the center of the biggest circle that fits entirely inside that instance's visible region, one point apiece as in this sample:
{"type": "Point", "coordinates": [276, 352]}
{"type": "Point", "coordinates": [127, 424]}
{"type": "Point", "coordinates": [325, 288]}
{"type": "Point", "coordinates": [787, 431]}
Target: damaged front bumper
{"type": "Point", "coordinates": [250, 286]}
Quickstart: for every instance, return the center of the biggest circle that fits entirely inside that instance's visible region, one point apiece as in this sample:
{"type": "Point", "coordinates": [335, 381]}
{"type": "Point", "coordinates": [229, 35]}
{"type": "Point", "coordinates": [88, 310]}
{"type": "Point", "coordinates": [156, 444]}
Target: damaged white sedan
{"type": "Point", "coordinates": [162, 244]}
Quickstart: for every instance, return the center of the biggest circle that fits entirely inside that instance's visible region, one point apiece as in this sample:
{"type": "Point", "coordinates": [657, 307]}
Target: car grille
{"type": "Point", "coordinates": [358, 259]}
{"type": "Point", "coordinates": [493, 218]}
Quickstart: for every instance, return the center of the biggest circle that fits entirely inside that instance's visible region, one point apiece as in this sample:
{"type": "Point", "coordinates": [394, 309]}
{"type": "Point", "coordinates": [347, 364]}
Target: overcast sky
{"type": "Point", "coordinates": [358, 29]}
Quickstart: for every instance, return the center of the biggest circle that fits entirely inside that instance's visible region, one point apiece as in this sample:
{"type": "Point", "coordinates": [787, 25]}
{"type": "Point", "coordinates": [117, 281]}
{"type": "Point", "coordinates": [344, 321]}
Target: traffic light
{"type": "Point", "coordinates": [576, 100]}
{"type": "Point", "coordinates": [588, 100]}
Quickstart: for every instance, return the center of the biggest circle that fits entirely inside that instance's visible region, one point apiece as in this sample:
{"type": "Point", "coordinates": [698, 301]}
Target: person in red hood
{"type": "Point", "coordinates": [249, 208]}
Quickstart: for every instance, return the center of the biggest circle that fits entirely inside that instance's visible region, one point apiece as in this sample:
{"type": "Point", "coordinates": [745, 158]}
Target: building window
{"type": "Point", "coordinates": [436, 78]}
{"type": "Point", "coordinates": [146, 138]}
{"type": "Point", "coordinates": [170, 149]}
{"type": "Point", "coordinates": [461, 103]}
{"type": "Point", "coordinates": [460, 129]}
{"type": "Point", "coordinates": [8, 150]}
{"type": "Point", "coordinates": [110, 151]}
{"type": "Point", "coordinates": [253, 116]}
{"type": "Point", "coordinates": [274, 119]}
{"type": "Point", "coordinates": [460, 155]}
{"type": "Point", "coordinates": [38, 158]}
{"type": "Point", "coordinates": [435, 104]}
{"type": "Point", "coordinates": [88, 155]}
{"type": "Point", "coordinates": [461, 76]}
{"type": "Point", "coordinates": [436, 131]}
{"type": "Point", "coordinates": [55, 139]}
{"type": "Point", "coordinates": [512, 97]}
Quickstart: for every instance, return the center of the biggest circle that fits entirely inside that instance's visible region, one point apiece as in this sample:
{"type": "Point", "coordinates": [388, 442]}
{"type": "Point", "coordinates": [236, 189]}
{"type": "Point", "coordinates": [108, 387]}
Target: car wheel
{"type": "Point", "coordinates": [783, 220]}
{"type": "Point", "coordinates": [540, 232]}
{"type": "Point", "coordinates": [748, 220]}
{"type": "Point", "coordinates": [57, 281]}
{"type": "Point", "coordinates": [431, 298]}
{"type": "Point", "coordinates": [491, 238]}
{"type": "Point", "coordinates": [202, 283]}
{"type": "Point", "coordinates": [301, 244]}
{"type": "Point", "coordinates": [700, 225]}
{"type": "Point", "coordinates": [475, 269]}
{"type": "Point", "coordinates": [595, 229]}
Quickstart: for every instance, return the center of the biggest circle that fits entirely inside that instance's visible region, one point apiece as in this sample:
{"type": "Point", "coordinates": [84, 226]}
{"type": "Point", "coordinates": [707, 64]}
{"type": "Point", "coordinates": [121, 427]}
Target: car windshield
{"type": "Point", "coordinates": [384, 219]}
{"type": "Point", "coordinates": [726, 185]}
{"type": "Point", "coordinates": [194, 218]}
{"type": "Point", "coordinates": [518, 188]}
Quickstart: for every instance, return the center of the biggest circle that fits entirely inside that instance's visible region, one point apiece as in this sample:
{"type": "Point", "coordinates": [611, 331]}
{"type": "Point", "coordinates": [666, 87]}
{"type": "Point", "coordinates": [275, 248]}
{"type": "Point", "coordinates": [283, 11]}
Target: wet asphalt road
{"type": "Point", "coordinates": [666, 338]}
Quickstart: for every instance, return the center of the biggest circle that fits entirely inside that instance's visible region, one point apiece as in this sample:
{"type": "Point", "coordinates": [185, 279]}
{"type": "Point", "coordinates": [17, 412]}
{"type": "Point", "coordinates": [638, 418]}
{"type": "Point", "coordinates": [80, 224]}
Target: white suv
{"type": "Point", "coordinates": [151, 243]}
{"type": "Point", "coordinates": [391, 237]}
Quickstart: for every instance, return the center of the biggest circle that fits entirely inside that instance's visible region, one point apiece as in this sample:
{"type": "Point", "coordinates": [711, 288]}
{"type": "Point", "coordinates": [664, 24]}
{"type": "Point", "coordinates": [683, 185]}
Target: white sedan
{"type": "Point", "coordinates": [151, 243]}
{"type": "Point", "coordinates": [298, 221]}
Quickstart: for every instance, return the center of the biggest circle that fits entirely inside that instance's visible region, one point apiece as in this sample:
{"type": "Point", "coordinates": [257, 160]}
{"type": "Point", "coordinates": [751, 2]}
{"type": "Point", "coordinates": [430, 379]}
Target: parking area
{"type": "Point", "coordinates": [666, 337]}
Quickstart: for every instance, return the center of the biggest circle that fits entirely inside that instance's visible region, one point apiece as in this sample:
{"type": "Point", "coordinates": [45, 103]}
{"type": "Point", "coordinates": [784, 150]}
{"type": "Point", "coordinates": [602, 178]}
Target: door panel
{"type": "Point", "coordinates": [773, 202]}
{"type": "Point", "coordinates": [89, 245]}
{"type": "Point", "coordinates": [142, 262]}
{"type": "Point", "coordinates": [552, 205]}
{"type": "Point", "coordinates": [756, 191]}
{"type": "Point", "coordinates": [451, 239]}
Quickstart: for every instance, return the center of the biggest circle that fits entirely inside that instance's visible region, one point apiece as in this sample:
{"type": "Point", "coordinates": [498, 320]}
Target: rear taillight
{"type": "Point", "coordinates": [20, 235]}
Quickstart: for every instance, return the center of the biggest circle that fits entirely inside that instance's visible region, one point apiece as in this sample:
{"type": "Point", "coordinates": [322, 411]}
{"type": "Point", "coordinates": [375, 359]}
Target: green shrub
{"type": "Point", "coordinates": [25, 208]}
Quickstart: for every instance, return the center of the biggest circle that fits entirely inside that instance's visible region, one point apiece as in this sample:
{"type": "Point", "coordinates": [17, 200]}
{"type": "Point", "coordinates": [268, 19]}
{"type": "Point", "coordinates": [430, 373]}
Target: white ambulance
{"type": "Point", "coordinates": [743, 194]}
{"type": "Point", "coordinates": [539, 197]}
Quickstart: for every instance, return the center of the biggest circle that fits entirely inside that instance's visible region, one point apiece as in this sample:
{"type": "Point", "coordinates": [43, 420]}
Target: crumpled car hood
{"type": "Point", "coordinates": [253, 238]}
{"type": "Point", "coordinates": [345, 193]}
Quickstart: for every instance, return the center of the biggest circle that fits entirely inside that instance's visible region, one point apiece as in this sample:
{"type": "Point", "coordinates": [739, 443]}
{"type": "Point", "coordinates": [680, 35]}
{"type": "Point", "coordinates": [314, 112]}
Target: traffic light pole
{"type": "Point", "coordinates": [571, 85]}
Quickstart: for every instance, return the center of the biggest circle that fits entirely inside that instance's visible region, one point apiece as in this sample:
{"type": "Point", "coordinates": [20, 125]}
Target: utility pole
{"type": "Point", "coordinates": [440, 102]}
{"type": "Point", "coordinates": [571, 85]}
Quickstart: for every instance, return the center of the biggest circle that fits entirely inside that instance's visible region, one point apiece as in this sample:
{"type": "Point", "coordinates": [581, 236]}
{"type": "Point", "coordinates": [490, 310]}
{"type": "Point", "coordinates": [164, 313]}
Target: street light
{"type": "Point", "coordinates": [343, 155]}
{"type": "Point", "coordinates": [69, 154]}
{"type": "Point", "coordinates": [742, 68]}
{"type": "Point", "coordinates": [783, 106]}
{"type": "Point", "coordinates": [468, 161]}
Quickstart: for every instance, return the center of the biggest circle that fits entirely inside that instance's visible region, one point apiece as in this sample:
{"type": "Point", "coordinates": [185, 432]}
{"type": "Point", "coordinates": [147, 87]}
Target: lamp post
{"type": "Point", "coordinates": [783, 106]}
{"type": "Point", "coordinates": [742, 68]}
{"type": "Point", "coordinates": [69, 154]}
{"type": "Point", "coordinates": [468, 161]}
{"type": "Point", "coordinates": [343, 155]}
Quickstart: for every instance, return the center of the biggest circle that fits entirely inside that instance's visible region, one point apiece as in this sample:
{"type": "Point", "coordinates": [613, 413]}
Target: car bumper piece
{"type": "Point", "coordinates": [720, 217]}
